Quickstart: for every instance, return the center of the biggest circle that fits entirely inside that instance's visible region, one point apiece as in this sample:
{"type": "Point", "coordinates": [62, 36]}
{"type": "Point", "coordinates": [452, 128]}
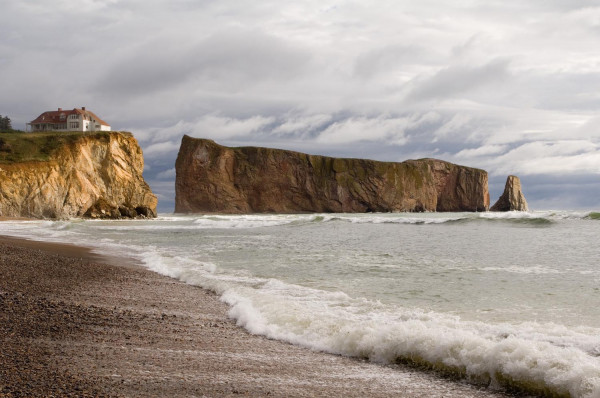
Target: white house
{"type": "Point", "coordinates": [71, 120]}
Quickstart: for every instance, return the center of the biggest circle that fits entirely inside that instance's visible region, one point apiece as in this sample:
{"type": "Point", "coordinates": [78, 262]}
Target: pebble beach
{"type": "Point", "coordinates": [77, 324]}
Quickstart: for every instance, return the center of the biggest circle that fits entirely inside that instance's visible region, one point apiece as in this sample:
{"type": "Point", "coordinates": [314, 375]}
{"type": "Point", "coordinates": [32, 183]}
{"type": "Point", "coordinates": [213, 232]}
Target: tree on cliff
{"type": "Point", "coordinates": [5, 124]}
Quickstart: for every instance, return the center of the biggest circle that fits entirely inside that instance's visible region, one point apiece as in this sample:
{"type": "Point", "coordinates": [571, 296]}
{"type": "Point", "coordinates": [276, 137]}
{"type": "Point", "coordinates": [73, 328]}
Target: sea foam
{"type": "Point", "coordinates": [533, 357]}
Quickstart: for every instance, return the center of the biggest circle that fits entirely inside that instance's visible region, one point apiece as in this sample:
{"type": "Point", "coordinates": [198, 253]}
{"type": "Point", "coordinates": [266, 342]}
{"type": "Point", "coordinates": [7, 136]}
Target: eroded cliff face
{"type": "Point", "coordinates": [97, 176]}
{"type": "Point", "coordinates": [211, 178]}
{"type": "Point", "coordinates": [512, 199]}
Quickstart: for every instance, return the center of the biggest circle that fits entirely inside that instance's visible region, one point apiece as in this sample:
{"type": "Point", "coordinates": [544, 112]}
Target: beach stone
{"type": "Point", "coordinates": [145, 211]}
{"type": "Point", "coordinates": [127, 212]}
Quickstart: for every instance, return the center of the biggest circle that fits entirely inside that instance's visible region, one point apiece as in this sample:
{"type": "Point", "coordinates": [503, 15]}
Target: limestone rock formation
{"type": "Point", "coordinates": [512, 198]}
{"type": "Point", "coordinates": [211, 178]}
{"type": "Point", "coordinates": [97, 176]}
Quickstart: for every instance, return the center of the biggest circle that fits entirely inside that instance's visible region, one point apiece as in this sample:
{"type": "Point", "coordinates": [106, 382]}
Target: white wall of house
{"type": "Point", "coordinates": [85, 123]}
{"type": "Point", "coordinates": [74, 123]}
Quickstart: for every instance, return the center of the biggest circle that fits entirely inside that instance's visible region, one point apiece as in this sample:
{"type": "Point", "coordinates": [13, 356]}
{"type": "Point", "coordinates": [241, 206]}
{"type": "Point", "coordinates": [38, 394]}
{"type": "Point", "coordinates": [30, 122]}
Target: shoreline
{"type": "Point", "coordinates": [74, 323]}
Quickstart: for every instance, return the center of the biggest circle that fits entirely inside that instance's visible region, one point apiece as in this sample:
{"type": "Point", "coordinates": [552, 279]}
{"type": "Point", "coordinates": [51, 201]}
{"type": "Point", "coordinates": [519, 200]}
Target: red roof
{"type": "Point", "coordinates": [60, 116]}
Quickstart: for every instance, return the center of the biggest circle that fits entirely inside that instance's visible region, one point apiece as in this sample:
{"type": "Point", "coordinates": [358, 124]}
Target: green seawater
{"type": "Point", "coordinates": [511, 299]}
{"type": "Point", "coordinates": [594, 216]}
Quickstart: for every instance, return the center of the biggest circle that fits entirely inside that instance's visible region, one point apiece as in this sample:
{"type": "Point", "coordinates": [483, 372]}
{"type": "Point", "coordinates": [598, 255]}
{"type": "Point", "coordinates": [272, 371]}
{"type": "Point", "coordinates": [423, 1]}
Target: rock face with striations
{"type": "Point", "coordinates": [512, 198]}
{"type": "Point", "coordinates": [211, 178]}
{"type": "Point", "coordinates": [96, 176]}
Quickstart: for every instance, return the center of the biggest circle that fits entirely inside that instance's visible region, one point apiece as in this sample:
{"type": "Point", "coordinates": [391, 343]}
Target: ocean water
{"type": "Point", "coordinates": [500, 299]}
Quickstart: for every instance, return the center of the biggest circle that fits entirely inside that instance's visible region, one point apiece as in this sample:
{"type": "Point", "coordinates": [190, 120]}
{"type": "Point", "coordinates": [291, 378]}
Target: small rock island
{"type": "Point", "coordinates": [211, 178]}
{"type": "Point", "coordinates": [512, 198]}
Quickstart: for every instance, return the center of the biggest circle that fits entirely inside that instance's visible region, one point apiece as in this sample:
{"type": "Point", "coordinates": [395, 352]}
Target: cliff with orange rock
{"type": "Point", "coordinates": [211, 178]}
{"type": "Point", "coordinates": [64, 175]}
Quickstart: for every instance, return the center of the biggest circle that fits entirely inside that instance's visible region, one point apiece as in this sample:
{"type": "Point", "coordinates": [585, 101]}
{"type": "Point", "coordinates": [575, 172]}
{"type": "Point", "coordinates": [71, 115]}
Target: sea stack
{"type": "Point", "coordinates": [512, 198]}
{"type": "Point", "coordinates": [212, 178]}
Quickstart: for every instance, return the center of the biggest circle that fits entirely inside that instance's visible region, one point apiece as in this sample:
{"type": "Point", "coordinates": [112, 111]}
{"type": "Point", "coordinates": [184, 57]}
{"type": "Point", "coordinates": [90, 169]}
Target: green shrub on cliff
{"type": "Point", "coordinates": [31, 147]}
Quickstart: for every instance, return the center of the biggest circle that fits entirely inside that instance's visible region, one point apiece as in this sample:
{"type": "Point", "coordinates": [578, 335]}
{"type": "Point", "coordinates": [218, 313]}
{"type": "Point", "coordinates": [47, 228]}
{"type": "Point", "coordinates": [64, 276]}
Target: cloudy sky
{"type": "Point", "coordinates": [512, 87]}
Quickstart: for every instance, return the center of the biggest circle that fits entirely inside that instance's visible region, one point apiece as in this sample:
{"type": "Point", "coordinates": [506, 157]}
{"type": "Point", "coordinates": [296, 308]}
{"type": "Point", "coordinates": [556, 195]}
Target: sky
{"type": "Point", "coordinates": [512, 87]}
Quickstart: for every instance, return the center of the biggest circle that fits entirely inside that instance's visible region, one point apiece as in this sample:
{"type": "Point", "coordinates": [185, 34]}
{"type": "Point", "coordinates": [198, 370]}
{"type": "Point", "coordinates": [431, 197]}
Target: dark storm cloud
{"type": "Point", "coordinates": [225, 60]}
{"type": "Point", "coordinates": [457, 80]}
{"type": "Point", "coordinates": [562, 192]}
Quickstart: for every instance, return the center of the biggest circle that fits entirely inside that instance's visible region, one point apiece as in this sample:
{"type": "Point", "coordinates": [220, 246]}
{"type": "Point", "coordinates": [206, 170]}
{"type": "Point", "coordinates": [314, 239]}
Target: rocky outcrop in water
{"type": "Point", "coordinates": [211, 178]}
{"type": "Point", "coordinates": [96, 176]}
{"type": "Point", "coordinates": [512, 198]}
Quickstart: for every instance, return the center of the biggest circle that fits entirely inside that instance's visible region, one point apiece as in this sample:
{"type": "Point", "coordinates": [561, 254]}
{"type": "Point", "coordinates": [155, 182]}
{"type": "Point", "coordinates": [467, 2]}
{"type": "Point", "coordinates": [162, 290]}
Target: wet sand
{"type": "Point", "coordinates": [73, 323]}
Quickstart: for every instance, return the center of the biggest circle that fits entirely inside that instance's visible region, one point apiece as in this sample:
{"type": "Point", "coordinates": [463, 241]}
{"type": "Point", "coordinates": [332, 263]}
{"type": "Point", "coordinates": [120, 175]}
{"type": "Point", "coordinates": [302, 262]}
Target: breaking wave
{"type": "Point", "coordinates": [541, 219]}
{"type": "Point", "coordinates": [594, 216]}
{"type": "Point", "coordinates": [538, 358]}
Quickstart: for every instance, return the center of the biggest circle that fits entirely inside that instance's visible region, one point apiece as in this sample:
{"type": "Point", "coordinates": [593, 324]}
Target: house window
{"type": "Point", "coordinates": [73, 125]}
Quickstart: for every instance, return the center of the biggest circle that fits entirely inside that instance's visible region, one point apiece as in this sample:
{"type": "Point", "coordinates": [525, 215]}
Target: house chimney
{"type": "Point", "coordinates": [60, 109]}
{"type": "Point", "coordinates": [83, 108]}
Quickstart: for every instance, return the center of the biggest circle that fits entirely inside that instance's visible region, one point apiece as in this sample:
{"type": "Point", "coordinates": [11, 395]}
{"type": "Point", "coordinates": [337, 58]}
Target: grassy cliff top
{"type": "Point", "coordinates": [19, 146]}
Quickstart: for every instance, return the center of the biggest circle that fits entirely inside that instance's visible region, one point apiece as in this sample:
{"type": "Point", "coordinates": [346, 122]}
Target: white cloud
{"type": "Point", "coordinates": [559, 157]}
{"type": "Point", "coordinates": [541, 158]}
{"type": "Point", "coordinates": [159, 149]}
{"type": "Point", "coordinates": [226, 127]}
{"type": "Point", "coordinates": [300, 125]}
{"type": "Point", "coordinates": [485, 150]}
{"type": "Point", "coordinates": [167, 174]}
{"type": "Point", "coordinates": [458, 124]}
{"type": "Point", "coordinates": [208, 126]}
{"type": "Point", "coordinates": [358, 129]}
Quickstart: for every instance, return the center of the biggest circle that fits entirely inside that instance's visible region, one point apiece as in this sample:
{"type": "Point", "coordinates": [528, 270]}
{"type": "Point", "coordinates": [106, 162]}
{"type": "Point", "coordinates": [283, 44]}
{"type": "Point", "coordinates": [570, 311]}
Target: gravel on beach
{"type": "Point", "coordinates": [75, 324]}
